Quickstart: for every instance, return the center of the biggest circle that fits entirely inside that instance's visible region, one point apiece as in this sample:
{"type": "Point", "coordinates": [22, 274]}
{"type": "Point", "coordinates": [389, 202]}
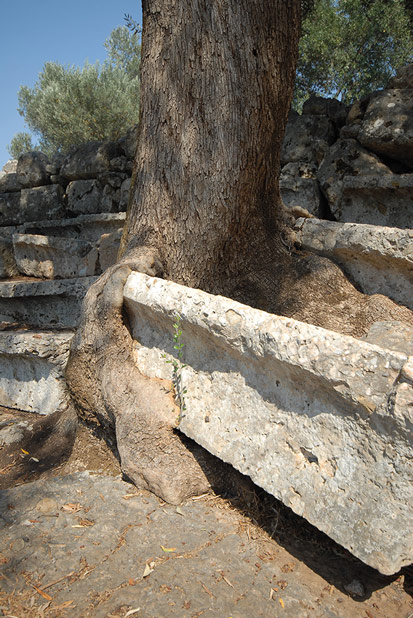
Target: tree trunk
{"type": "Point", "coordinates": [205, 211]}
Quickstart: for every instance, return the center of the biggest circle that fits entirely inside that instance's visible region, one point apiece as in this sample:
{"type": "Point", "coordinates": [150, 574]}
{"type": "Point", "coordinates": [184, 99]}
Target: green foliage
{"type": "Point", "coordinates": [69, 105]}
{"type": "Point", "coordinates": [177, 367]}
{"type": "Point", "coordinates": [21, 143]}
{"type": "Point", "coordinates": [349, 48]}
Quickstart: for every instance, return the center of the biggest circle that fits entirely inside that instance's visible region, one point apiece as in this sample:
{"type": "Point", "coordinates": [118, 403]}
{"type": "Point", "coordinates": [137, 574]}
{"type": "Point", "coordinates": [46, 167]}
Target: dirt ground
{"type": "Point", "coordinates": [283, 543]}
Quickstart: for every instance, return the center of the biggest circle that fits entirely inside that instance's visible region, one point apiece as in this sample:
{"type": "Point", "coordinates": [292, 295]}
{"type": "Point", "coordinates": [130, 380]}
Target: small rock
{"type": "Point", "coordinates": [47, 506]}
{"type": "Point", "coordinates": [355, 588]}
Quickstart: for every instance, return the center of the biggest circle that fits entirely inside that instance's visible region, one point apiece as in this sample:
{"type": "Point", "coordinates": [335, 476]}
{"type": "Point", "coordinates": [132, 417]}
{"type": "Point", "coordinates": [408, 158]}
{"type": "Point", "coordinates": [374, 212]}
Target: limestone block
{"type": "Point", "coordinates": [10, 209]}
{"type": "Point", "coordinates": [108, 248]}
{"type": "Point", "coordinates": [10, 166]}
{"type": "Point", "coordinates": [8, 267]}
{"type": "Point", "coordinates": [83, 227]}
{"type": "Point", "coordinates": [346, 158]}
{"type": "Point", "coordinates": [318, 419]}
{"type": "Point", "coordinates": [90, 159]}
{"type": "Point", "coordinates": [320, 106]}
{"type": "Point", "coordinates": [84, 197]}
{"type": "Point", "coordinates": [124, 194]}
{"type": "Point", "coordinates": [385, 200]}
{"type": "Point", "coordinates": [391, 334]}
{"type": "Point", "coordinates": [10, 183]}
{"type": "Point", "coordinates": [43, 304]}
{"type": "Point", "coordinates": [378, 259]}
{"type": "Point", "coordinates": [299, 187]}
{"type": "Point", "coordinates": [41, 203]}
{"type": "Point", "coordinates": [387, 126]}
{"type": "Point", "coordinates": [307, 138]}
{"type": "Point", "coordinates": [54, 258]}
{"type": "Point", "coordinates": [32, 370]}
{"type": "Point", "coordinates": [31, 169]}
{"type": "Point", "coordinates": [403, 78]}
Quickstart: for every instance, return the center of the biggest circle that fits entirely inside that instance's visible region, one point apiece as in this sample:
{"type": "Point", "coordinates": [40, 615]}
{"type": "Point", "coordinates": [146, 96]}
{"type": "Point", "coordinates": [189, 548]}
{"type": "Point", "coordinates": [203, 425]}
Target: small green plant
{"type": "Point", "coordinates": [177, 367]}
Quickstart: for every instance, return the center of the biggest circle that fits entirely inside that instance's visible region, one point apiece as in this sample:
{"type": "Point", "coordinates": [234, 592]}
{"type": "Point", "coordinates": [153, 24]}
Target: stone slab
{"type": "Point", "coordinates": [83, 227]}
{"type": "Point", "coordinates": [385, 200]}
{"type": "Point", "coordinates": [31, 370]}
{"type": "Point", "coordinates": [54, 258]}
{"type": "Point", "coordinates": [8, 267]}
{"type": "Point", "coordinates": [320, 420]}
{"type": "Point", "coordinates": [43, 304]}
{"type": "Point", "coordinates": [378, 259]}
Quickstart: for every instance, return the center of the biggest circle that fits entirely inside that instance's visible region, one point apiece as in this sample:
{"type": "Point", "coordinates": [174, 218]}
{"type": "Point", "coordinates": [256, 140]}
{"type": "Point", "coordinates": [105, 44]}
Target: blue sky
{"type": "Point", "coordinates": [35, 32]}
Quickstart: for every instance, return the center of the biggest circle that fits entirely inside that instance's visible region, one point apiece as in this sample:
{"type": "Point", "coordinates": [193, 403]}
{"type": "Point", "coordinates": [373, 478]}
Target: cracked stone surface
{"type": "Point", "coordinates": [97, 547]}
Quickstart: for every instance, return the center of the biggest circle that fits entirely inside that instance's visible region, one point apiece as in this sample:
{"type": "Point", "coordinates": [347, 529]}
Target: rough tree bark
{"type": "Point", "coordinates": [205, 211]}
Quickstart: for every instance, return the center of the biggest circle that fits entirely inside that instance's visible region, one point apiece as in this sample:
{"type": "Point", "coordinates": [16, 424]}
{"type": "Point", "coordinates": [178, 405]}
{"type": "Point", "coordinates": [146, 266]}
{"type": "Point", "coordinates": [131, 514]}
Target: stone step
{"type": "Point", "coordinates": [378, 259]}
{"type": "Point", "coordinates": [32, 367]}
{"type": "Point", "coordinates": [43, 304]}
{"type": "Point", "coordinates": [83, 227]}
{"type": "Point", "coordinates": [317, 419]}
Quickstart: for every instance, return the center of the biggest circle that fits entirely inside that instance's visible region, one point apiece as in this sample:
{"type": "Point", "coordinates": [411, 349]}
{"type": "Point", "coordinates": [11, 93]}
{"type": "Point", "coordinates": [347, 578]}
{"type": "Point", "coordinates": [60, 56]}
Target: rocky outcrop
{"type": "Point", "coordinates": [318, 419]}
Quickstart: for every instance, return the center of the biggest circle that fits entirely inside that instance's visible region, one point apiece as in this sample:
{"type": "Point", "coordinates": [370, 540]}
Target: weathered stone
{"type": "Point", "coordinates": [89, 160]}
{"type": "Point", "coordinates": [393, 335]}
{"type": "Point", "coordinates": [31, 169]}
{"type": "Point", "coordinates": [124, 194]}
{"type": "Point", "coordinates": [54, 258]}
{"type": "Point", "coordinates": [403, 78]}
{"type": "Point", "coordinates": [8, 267]}
{"type": "Point", "coordinates": [10, 209]}
{"type": "Point", "coordinates": [40, 203]}
{"type": "Point", "coordinates": [346, 158]}
{"type": "Point", "coordinates": [299, 187]}
{"type": "Point", "coordinates": [108, 249]}
{"type": "Point", "coordinates": [378, 259]}
{"type": "Point", "coordinates": [84, 197]}
{"type": "Point", "coordinates": [319, 106]}
{"type": "Point", "coordinates": [318, 419]}
{"type": "Point", "coordinates": [32, 370]}
{"type": "Point", "coordinates": [43, 304]}
{"type": "Point", "coordinates": [10, 183]}
{"type": "Point", "coordinates": [385, 200]}
{"type": "Point", "coordinates": [83, 227]}
{"type": "Point", "coordinates": [129, 142]}
{"type": "Point", "coordinates": [10, 166]}
{"type": "Point", "coordinates": [387, 127]}
{"type": "Point", "coordinates": [307, 139]}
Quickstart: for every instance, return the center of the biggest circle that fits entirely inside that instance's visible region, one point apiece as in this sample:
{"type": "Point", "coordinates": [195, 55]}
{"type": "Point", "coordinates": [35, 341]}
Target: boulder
{"type": "Point", "coordinates": [90, 159]}
{"type": "Point", "coordinates": [8, 267]}
{"type": "Point", "coordinates": [403, 79]}
{"type": "Point", "coordinates": [124, 194]}
{"type": "Point", "coordinates": [346, 158]}
{"type": "Point", "coordinates": [299, 187]}
{"type": "Point", "coordinates": [129, 142]}
{"type": "Point", "coordinates": [109, 248]}
{"type": "Point", "coordinates": [43, 304]}
{"type": "Point", "coordinates": [379, 260]}
{"type": "Point", "coordinates": [10, 166]}
{"type": "Point", "coordinates": [31, 169]}
{"type": "Point", "coordinates": [54, 258]}
{"type": "Point", "coordinates": [307, 139]}
{"type": "Point", "coordinates": [318, 419]}
{"type": "Point", "coordinates": [331, 108]}
{"type": "Point", "coordinates": [387, 126]}
{"type": "Point", "coordinates": [385, 200]}
{"type": "Point", "coordinates": [32, 371]}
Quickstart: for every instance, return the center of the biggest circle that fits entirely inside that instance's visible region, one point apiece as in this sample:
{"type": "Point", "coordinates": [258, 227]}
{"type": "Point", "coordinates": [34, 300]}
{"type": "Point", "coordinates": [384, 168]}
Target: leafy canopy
{"type": "Point", "coordinates": [349, 48]}
{"type": "Point", "coordinates": [69, 105]}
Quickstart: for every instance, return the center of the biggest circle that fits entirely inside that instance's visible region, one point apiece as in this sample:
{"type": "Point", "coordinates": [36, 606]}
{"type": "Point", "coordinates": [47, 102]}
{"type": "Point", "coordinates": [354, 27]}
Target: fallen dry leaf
{"type": "Point", "coordinates": [72, 507]}
{"type": "Point", "coordinates": [132, 611]}
{"type": "Point", "coordinates": [148, 569]}
{"type": "Point", "coordinates": [43, 594]}
{"type": "Point", "coordinates": [281, 603]}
